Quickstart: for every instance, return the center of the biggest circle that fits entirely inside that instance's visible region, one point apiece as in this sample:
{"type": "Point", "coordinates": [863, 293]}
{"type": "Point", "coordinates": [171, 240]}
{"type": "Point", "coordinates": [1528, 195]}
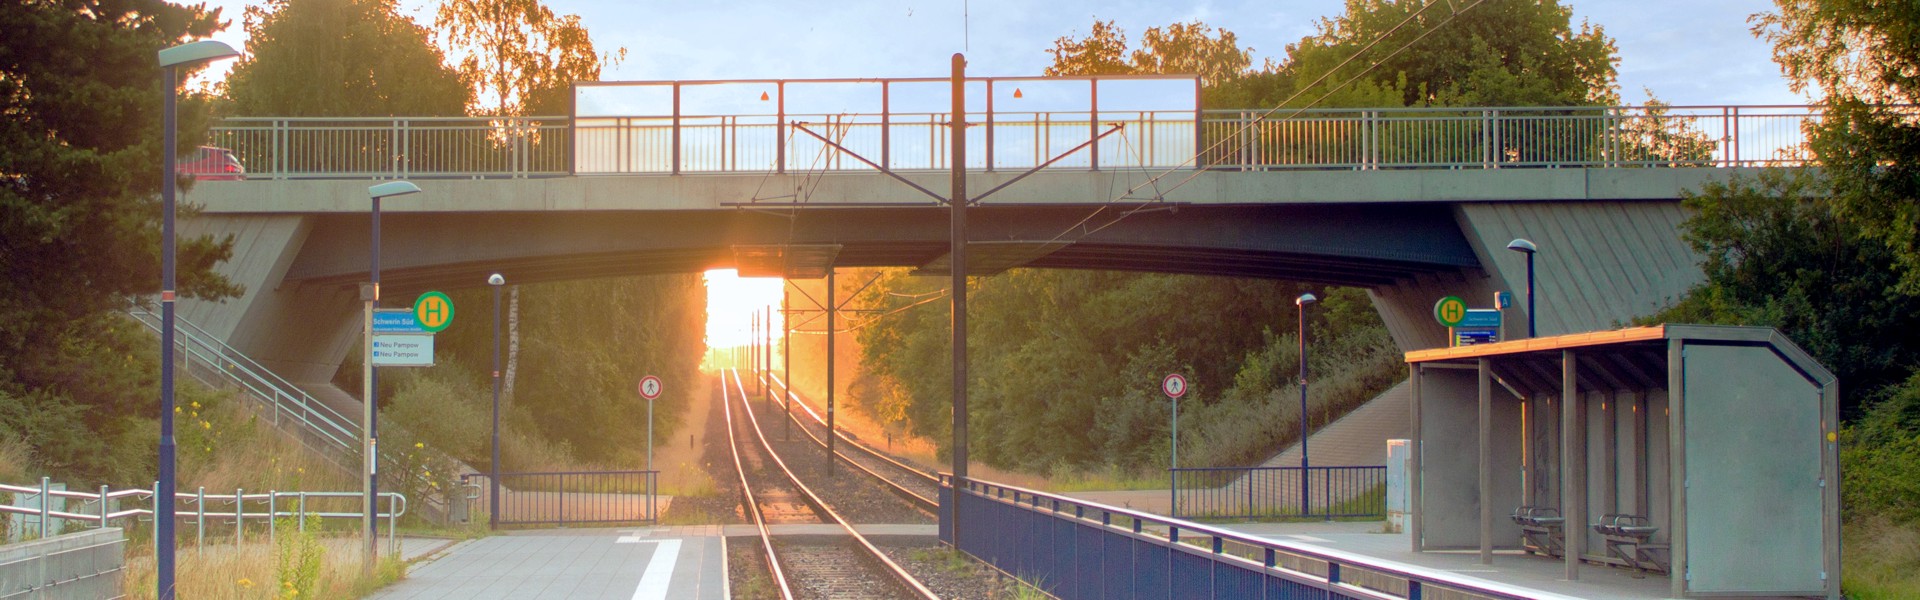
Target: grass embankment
{"type": "Point", "coordinates": [226, 446]}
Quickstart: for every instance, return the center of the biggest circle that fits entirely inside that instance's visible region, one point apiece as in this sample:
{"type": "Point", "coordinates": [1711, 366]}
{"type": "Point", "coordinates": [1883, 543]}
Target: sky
{"type": "Point", "coordinates": [1690, 52]}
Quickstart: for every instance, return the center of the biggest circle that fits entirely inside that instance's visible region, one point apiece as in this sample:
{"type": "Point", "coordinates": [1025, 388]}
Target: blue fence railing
{"type": "Point", "coordinates": [1279, 492]}
{"type": "Point", "coordinates": [1075, 550]}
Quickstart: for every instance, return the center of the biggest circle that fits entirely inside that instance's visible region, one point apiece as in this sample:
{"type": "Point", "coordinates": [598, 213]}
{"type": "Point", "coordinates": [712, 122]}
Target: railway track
{"type": "Point", "coordinates": [838, 566]}
{"type": "Point", "coordinates": [918, 487]}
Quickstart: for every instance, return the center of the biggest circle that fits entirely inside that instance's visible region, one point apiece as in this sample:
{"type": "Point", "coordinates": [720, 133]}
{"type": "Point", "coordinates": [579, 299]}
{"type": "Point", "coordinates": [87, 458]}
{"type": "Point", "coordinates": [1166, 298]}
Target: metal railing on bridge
{"type": "Point", "coordinates": [1318, 139]}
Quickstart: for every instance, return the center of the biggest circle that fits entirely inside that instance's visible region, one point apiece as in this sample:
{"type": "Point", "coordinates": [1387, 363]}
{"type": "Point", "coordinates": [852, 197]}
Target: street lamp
{"type": "Point", "coordinates": [1523, 246]}
{"type": "Point", "coordinates": [370, 433]}
{"type": "Point", "coordinates": [1306, 505]}
{"type": "Point", "coordinates": [171, 59]}
{"type": "Point", "coordinates": [493, 471]}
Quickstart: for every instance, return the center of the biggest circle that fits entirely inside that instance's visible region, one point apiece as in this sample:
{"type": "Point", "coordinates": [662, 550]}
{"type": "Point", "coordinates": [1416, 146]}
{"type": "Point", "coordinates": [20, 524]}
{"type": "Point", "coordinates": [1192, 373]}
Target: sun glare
{"type": "Point", "coordinates": [732, 302]}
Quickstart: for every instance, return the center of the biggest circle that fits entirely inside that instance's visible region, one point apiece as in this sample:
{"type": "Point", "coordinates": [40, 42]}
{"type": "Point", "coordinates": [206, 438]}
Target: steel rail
{"type": "Point", "coordinates": [746, 489]}
{"type": "Point", "coordinates": [930, 505]}
{"type": "Point", "coordinates": [892, 568]}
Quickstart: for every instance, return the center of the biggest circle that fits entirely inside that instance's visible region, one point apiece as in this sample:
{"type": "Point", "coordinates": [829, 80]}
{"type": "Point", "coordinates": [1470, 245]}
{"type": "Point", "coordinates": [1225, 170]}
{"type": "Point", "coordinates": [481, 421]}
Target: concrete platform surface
{"type": "Point", "coordinates": [1544, 576]}
{"type": "Point", "coordinates": [645, 563]}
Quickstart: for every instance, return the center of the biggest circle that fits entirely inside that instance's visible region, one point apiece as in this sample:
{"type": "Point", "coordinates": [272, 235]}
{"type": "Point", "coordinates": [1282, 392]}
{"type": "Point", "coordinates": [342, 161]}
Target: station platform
{"type": "Point", "coordinates": [1541, 577]}
{"type": "Point", "coordinates": [638, 563]}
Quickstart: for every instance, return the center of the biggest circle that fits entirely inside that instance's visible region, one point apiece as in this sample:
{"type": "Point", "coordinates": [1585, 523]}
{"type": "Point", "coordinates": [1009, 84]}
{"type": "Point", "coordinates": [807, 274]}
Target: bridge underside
{"type": "Point", "coordinates": [1609, 261]}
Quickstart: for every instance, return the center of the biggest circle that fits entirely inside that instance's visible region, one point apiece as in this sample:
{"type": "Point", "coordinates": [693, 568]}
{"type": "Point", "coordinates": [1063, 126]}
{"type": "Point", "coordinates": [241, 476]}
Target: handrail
{"type": "Point", "coordinates": [199, 500]}
{"type": "Point", "coordinates": [280, 394]}
{"type": "Point", "coordinates": [754, 141]}
{"type": "Point", "coordinates": [1175, 527]}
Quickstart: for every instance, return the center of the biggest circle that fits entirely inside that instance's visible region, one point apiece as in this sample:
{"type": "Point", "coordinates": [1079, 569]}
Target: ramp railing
{"type": "Point", "coordinates": [1075, 549]}
{"type": "Point", "coordinates": [240, 509]}
{"type": "Point", "coordinates": [1267, 492]}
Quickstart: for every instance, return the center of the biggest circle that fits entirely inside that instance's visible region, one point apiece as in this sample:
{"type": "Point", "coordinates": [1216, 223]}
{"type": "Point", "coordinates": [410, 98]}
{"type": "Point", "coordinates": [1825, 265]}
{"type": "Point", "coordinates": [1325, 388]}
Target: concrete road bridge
{"type": "Point", "coordinates": [666, 177]}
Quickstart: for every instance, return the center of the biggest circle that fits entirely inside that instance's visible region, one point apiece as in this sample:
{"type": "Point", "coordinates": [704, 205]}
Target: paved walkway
{"type": "Point", "coordinates": [638, 563]}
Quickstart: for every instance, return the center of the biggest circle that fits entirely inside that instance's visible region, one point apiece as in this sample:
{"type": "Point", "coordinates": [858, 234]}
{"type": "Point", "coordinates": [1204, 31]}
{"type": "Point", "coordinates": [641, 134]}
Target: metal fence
{"type": "Point", "coordinates": [258, 511]}
{"type": "Point", "coordinates": [1319, 139]}
{"type": "Point", "coordinates": [1261, 492]}
{"type": "Point", "coordinates": [1074, 550]}
{"type": "Point", "coordinates": [570, 497]}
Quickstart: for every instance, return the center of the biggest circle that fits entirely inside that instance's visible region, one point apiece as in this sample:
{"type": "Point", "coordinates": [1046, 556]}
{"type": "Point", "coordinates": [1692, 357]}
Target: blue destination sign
{"type": "Point", "coordinates": [1480, 317]}
{"type": "Point", "coordinates": [1474, 336]}
{"type": "Point", "coordinates": [396, 320]}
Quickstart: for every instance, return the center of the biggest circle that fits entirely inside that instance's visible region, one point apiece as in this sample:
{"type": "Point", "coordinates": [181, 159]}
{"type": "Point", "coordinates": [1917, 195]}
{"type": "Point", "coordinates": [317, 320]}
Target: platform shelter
{"type": "Point", "coordinates": [1705, 454]}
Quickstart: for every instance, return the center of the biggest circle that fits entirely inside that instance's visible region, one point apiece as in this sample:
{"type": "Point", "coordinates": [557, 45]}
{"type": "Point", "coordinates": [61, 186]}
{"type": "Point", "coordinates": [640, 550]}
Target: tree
{"type": "Point", "coordinates": [80, 155]}
{"type": "Point", "coordinates": [1483, 53]}
{"type": "Point", "coordinates": [342, 58]}
{"type": "Point", "coordinates": [521, 58]}
{"type": "Point", "coordinates": [1866, 57]}
{"type": "Point", "coordinates": [1180, 48]}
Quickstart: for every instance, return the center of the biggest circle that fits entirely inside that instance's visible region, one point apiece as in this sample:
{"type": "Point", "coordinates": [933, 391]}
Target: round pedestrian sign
{"type": "Point", "coordinates": [1174, 385]}
{"type": "Point", "coordinates": [1450, 311]}
{"type": "Point", "coordinates": [434, 311]}
{"type": "Point", "coordinates": [650, 387]}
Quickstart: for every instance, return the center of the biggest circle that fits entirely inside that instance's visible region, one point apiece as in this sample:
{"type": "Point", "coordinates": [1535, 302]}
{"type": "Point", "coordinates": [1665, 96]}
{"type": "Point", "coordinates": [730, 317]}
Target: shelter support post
{"type": "Point", "coordinates": [1486, 461]}
{"type": "Point", "coordinates": [1677, 466]}
{"type": "Point", "coordinates": [1573, 461]}
{"type": "Point", "coordinates": [1414, 505]}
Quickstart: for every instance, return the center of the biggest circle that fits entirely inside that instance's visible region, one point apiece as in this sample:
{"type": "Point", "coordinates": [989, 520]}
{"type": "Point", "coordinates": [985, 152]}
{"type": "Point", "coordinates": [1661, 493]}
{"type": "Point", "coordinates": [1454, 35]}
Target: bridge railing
{"type": "Point", "coordinates": [1320, 139]}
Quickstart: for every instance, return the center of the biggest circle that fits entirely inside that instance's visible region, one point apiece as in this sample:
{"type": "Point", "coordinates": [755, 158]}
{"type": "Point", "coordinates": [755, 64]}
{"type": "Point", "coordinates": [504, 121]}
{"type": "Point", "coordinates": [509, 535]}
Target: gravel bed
{"type": "Point", "coordinates": [856, 496]}
{"type": "Point", "coordinates": [951, 576]}
{"type": "Point", "coordinates": [723, 506]}
{"type": "Point", "coordinates": [774, 416]}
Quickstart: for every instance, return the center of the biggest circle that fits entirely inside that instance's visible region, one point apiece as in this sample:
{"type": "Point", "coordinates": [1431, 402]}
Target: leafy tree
{"type": "Point", "coordinates": [342, 58]}
{"type": "Point", "coordinates": [1177, 48]}
{"type": "Point", "coordinates": [1778, 254]}
{"type": "Point", "coordinates": [80, 155]}
{"type": "Point", "coordinates": [1484, 53]}
{"type": "Point", "coordinates": [1865, 56]}
{"type": "Point", "coordinates": [521, 58]}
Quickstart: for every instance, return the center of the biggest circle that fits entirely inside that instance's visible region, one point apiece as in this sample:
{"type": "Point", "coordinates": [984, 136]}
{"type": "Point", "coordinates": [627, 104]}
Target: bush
{"type": "Point", "coordinates": [1880, 458]}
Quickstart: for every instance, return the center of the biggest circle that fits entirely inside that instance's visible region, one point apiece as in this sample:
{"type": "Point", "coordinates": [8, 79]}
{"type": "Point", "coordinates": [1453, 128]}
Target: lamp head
{"type": "Point", "coordinates": [393, 188]}
{"type": "Point", "coordinates": [496, 279]}
{"type": "Point", "coordinates": [1304, 300]}
{"type": "Point", "coordinates": [201, 51]}
{"type": "Point", "coordinates": [1522, 246]}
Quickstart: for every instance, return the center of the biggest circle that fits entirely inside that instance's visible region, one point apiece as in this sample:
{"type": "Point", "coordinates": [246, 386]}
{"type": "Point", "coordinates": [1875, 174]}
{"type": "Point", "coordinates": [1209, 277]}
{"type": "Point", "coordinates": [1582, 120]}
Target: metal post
{"type": "Point", "coordinates": [1531, 331]}
{"type": "Point", "coordinates": [1173, 463]}
{"type": "Point", "coordinates": [1486, 460]}
{"type": "Point", "coordinates": [786, 366]}
{"type": "Point", "coordinates": [957, 262]}
{"type": "Point", "coordinates": [766, 351]}
{"type": "Point", "coordinates": [493, 469]}
{"type": "Point", "coordinates": [1093, 124]}
{"type": "Point", "coordinates": [163, 494]}
{"type": "Point", "coordinates": [831, 311]}
{"type": "Point", "coordinates": [1306, 502]}
{"type": "Point", "coordinates": [370, 465]}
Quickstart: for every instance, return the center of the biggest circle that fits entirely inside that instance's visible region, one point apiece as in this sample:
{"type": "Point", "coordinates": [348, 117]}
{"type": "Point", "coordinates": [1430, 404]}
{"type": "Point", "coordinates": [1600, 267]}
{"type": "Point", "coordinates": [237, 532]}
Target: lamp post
{"type": "Point", "coordinates": [171, 59]}
{"type": "Point", "coordinates": [370, 433]}
{"type": "Point", "coordinates": [493, 470]}
{"type": "Point", "coordinates": [1306, 505]}
{"type": "Point", "coordinates": [1523, 246]}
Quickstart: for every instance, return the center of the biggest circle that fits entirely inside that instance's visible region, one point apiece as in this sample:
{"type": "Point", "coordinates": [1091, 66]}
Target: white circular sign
{"type": "Point", "coordinates": [650, 387]}
{"type": "Point", "coordinates": [1174, 385]}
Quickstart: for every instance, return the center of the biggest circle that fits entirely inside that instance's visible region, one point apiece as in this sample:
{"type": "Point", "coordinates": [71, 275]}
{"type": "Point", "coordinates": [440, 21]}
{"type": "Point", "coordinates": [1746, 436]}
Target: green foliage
{"type": "Point", "coordinates": [1177, 48]}
{"type": "Point", "coordinates": [584, 346]}
{"type": "Point", "coordinates": [1777, 253]}
{"type": "Point", "coordinates": [1485, 53]}
{"type": "Point", "coordinates": [521, 58]}
{"type": "Point", "coordinates": [1881, 452]}
{"type": "Point", "coordinates": [342, 58]}
{"type": "Point", "coordinates": [1865, 56]}
{"type": "Point", "coordinates": [298, 558]}
{"type": "Point", "coordinates": [1067, 364]}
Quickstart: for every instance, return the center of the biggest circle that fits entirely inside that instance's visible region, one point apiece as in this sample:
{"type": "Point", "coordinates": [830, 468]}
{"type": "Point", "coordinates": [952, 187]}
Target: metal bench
{"type": "Point", "coordinates": [1629, 539]}
{"type": "Point", "coordinates": [1542, 530]}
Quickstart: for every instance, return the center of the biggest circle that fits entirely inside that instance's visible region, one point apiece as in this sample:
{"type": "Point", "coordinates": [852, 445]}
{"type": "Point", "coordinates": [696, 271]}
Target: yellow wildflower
{"type": "Point", "coordinates": [419, 445]}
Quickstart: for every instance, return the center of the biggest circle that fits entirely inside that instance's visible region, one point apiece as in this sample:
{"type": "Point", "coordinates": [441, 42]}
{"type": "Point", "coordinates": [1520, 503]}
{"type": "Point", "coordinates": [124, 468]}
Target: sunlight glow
{"type": "Point", "coordinates": [732, 302]}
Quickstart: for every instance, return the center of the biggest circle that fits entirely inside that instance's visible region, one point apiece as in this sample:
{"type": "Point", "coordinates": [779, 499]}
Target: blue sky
{"type": "Point", "coordinates": [1687, 52]}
